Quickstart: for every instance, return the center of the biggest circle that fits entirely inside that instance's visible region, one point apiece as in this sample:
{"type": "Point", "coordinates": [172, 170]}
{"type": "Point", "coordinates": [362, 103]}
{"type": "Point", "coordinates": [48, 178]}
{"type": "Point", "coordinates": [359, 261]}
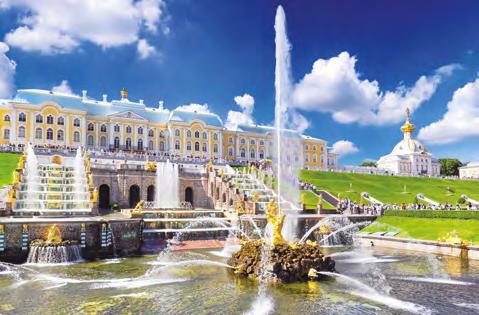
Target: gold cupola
{"type": "Point", "coordinates": [408, 127]}
{"type": "Point", "coordinates": [124, 94]}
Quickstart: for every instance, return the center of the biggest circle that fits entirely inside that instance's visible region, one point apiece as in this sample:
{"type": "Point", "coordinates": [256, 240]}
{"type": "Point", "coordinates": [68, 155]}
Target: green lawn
{"type": "Point", "coordinates": [8, 162]}
{"type": "Point", "coordinates": [426, 229]}
{"type": "Point", "coordinates": [390, 189]}
{"type": "Point", "coordinates": [311, 200]}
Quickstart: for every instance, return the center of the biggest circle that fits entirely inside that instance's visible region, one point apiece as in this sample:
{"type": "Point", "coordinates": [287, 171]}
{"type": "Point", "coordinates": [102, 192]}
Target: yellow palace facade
{"type": "Point", "coordinates": [43, 117]}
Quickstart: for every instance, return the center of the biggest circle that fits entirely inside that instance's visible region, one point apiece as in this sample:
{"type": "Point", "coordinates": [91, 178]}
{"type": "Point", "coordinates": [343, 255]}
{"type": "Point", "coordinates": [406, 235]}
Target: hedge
{"type": "Point", "coordinates": [445, 214]}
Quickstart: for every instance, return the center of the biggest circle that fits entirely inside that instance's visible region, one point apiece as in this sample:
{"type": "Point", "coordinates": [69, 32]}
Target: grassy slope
{"type": "Point", "coordinates": [311, 200]}
{"type": "Point", "coordinates": [426, 229]}
{"type": "Point", "coordinates": [389, 188]}
{"type": "Point", "coordinates": [8, 162]}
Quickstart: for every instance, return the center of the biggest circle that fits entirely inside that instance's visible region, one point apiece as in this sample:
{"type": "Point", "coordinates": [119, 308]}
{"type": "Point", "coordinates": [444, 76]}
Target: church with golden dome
{"type": "Point", "coordinates": [409, 156]}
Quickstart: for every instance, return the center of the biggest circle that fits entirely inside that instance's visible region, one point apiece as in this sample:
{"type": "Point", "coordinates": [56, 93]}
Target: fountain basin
{"type": "Point", "coordinates": [43, 252]}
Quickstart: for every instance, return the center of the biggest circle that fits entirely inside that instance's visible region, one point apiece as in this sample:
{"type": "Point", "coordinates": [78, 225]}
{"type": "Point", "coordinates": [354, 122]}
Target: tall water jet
{"type": "Point", "coordinates": [167, 185]}
{"type": "Point", "coordinates": [80, 176]}
{"type": "Point", "coordinates": [287, 145]}
{"type": "Point", "coordinates": [32, 179]}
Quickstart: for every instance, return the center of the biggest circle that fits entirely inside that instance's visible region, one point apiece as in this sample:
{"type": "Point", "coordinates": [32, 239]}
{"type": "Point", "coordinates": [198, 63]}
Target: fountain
{"type": "Point", "coordinates": [53, 250]}
{"type": "Point", "coordinates": [167, 185]}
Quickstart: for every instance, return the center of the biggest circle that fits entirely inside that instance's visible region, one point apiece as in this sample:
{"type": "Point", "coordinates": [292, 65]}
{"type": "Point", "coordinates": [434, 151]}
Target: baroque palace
{"type": "Point", "coordinates": [48, 118]}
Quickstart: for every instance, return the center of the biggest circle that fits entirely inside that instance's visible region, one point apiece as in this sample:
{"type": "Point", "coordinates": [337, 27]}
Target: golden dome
{"type": "Point", "coordinates": [408, 127]}
{"type": "Point", "coordinates": [124, 93]}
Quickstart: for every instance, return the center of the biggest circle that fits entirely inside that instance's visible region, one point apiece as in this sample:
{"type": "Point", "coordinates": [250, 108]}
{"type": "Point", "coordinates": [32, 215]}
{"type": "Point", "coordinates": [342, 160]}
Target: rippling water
{"type": "Point", "coordinates": [382, 282]}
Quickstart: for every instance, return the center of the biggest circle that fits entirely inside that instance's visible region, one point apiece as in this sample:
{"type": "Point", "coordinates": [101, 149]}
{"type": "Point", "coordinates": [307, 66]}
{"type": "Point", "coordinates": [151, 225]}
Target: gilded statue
{"type": "Point", "coordinates": [276, 221]}
{"type": "Point", "coordinates": [11, 196]}
{"type": "Point", "coordinates": [139, 205]}
{"type": "Point", "coordinates": [94, 195]}
{"type": "Point", "coordinates": [54, 236]}
{"type": "Point", "coordinates": [150, 166]}
{"type": "Point", "coordinates": [90, 180]}
{"type": "Point", "coordinates": [255, 197]}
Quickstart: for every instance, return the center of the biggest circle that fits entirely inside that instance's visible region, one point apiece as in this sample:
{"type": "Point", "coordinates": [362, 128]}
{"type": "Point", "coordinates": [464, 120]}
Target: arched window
{"type": "Point", "coordinates": [116, 128]}
{"type": "Point", "coordinates": [50, 119]}
{"type": "Point", "coordinates": [243, 153]}
{"type": "Point", "coordinates": [150, 145]}
{"type": "Point", "coordinates": [90, 140]}
{"type": "Point", "coordinates": [162, 146]}
{"type": "Point", "coordinates": [253, 142]}
{"type": "Point", "coordinates": [252, 154]}
{"type": "Point", "coordinates": [151, 133]}
{"type": "Point", "coordinates": [177, 132]}
{"type": "Point", "coordinates": [76, 136]}
{"type": "Point", "coordinates": [306, 147]}
{"type": "Point", "coordinates": [140, 130]}
{"type": "Point", "coordinates": [21, 132]}
{"type": "Point", "coordinates": [103, 128]}
{"type": "Point", "coordinates": [197, 134]}
{"type": "Point", "coordinates": [243, 141]}
{"type": "Point", "coordinates": [230, 140]}
{"type": "Point", "coordinates": [188, 146]}
{"type": "Point", "coordinates": [91, 127]}
{"type": "Point", "coordinates": [162, 135]}
{"type": "Point", "coordinates": [230, 151]}
{"type": "Point", "coordinates": [261, 142]}
{"type": "Point", "coordinates": [39, 118]}
{"type": "Point", "coordinates": [116, 143]}
{"type": "Point", "coordinates": [205, 135]}
{"type": "Point", "coordinates": [60, 121]}
{"type": "Point", "coordinates": [6, 118]}
{"type": "Point", "coordinates": [261, 154]}
{"type": "Point", "coordinates": [22, 117]}
{"type": "Point", "coordinates": [128, 143]}
{"type": "Point", "coordinates": [150, 193]}
{"type": "Point", "coordinates": [188, 133]}
{"type": "Point", "coordinates": [103, 141]}
{"type": "Point", "coordinates": [6, 134]}
{"type": "Point", "coordinates": [140, 144]}
{"type": "Point", "coordinates": [314, 147]}
{"type": "Point", "coordinates": [128, 129]}
{"type": "Point", "coordinates": [215, 136]}
{"type": "Point", "coordinates": [39, 133]}
{"type": "Point", "coordinates": [197, 146]}
{"type": "Point", "coordinates": [76, 122]}
{"type": "Point", "coordinates": [215, 148]}
{"type": "Point", "coordinates": [205, 147]}
{"type": "Point", "coordinates": [49, 134]}
{"type": "Point", "coordinates": [177, 145]}
{"type": "Point", "coordinates": [60, 136]}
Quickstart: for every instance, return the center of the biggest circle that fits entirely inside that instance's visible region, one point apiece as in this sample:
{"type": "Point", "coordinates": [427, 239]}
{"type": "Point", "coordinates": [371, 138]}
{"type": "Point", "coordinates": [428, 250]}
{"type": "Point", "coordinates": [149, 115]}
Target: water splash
{"type": "Point", "coordinates": [167, 185]}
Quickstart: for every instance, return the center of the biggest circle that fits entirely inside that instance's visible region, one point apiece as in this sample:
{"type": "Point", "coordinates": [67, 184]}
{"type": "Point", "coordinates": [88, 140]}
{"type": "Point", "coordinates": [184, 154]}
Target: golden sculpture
{"type": "Point", "coordinates": [236, 183]}
{"type": "Point", "coordinates": [21, 163]}
{"type": "Point", "coordinates": [276, 221]}
{"type": "Point", "coordinates": [150, 166]}
{"type": "Point", "coordinates": [139, 205]}
{"type": "Point", "coordinates": [222, 173]}
{"type": "Point", "coordinates": [56, 159]}
{"type": "Point", "coordinates": [25, 228]}
{"type": "Point", "coordinates": [240, 207]}
{"type": "Point", "coordinates": [82, 227]}
{"type": "Point", "coordinates": [94, 195]}
{"type": "Point", "coordinates": [325, 229]}
{"type": "Point", "coordinates": [90, 180]}
{"type": "Point", "coordinates": [255, 197]}
{"type": "Point", "coordinates": [54, 236]}
{"type": "Point", "coordinates": [16, 177]}
{"type": "Point", "coordinates": [210, 165]}
{"type": "Point", "coordinates": [2, 230]}
{"type": "Point", "coordinates": [11, 196]}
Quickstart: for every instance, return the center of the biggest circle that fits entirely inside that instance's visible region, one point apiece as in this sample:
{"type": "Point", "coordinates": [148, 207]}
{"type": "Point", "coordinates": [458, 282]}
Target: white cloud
{"type": "Point", "coordinates": [145, 50]}
{"type": "Point", "coordinates": [299, 122]}
{"type": "Point", "coordinates": [334, 86]}
{"type": "Point", "coordinates": [7, 71]}
{"type": "Point", "coordinates": [245, 116]}
{"type": "Point", "coordinates": [58, 26]}
{"type": "Point", "coordinates": [199, 108]}
{"type": "Point", "coordinates": [461, 119]}
{"type": "Point", "coordinates": [344, 147]}
{"type": "Point", "coordinates": [63, 87]}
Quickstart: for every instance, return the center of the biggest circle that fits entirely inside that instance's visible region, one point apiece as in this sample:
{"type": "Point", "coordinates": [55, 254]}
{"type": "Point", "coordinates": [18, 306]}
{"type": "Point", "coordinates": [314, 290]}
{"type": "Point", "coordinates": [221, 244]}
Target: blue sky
{"type": "Point", "coordinates": [208, 52]}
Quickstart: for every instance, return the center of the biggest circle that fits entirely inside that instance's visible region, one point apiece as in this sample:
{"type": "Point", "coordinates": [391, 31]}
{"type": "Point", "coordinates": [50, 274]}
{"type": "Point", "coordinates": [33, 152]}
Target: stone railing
{"type": "Point", "coordinates": [152, 205]}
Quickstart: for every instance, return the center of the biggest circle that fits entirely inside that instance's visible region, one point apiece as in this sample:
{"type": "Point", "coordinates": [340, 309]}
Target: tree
{"type": "Point", "coordinates": [369, 164]}
{"type": "Point", "coordinates": [450, 167]}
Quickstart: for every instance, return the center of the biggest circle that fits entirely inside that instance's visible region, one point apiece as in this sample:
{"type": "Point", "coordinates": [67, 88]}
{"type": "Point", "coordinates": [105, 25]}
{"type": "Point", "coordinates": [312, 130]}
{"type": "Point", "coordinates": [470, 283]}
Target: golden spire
{"type": "Point", "coordinates": [124, 93]}
{"type": "Point", "coordinates": [408, 127]}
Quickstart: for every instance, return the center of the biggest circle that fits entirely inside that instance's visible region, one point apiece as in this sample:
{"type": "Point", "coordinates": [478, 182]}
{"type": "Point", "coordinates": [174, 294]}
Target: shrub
{"type": "Point", "coordinates": [461, 201]}
{"type": "Point", "coordinates": [445, 214]}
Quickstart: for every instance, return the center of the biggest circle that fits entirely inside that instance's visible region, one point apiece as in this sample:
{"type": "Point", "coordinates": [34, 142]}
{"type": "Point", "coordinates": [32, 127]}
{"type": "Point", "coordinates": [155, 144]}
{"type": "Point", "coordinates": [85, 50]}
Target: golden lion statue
{"type": "Point", "coordinates": [276, 221]}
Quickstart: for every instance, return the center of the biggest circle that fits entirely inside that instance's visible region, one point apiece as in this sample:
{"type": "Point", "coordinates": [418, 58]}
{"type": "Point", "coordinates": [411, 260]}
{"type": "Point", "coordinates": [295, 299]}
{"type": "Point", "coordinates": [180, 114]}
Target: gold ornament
{"type": "Point", "coordinates": [276, 221]}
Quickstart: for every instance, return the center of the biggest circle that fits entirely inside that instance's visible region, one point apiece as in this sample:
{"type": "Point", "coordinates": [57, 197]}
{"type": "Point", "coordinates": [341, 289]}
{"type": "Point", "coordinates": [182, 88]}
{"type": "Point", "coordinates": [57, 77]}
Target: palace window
{"type": "Point", "coordinates": [60, 135]}
{"type": "Point", "coordinates": [90, 140]}
{"type": "Point", "coordinates": [252, 154]}
{"type": "Point", "coordinates": [315, 159]}
{"type": "Point", "coordinates": [197, 134]}
{"type": "Point", "coordinates": [76, 122]}
{"type": "Point", "coordinates": [103, 141]}
{"type": "Point", "coordinates": [39, 119]}
{"type": "Point", "coordinates": [128, 143]}
{"type": "Point", "coordinates": [204, 147]}
{"type": "Point", "coordinates": [188, 146]}
{"type": "Point", "coordinates": [253, 142]}
{"type": "Point", "coordinates": [116, 143]}
{"type": "Point", "coordinates": [215, 136]}
{"type": "Point", "coordinates": [177, 145]}
{"type": "Point", "coordinates": [116, 128]}
{"type": "Point", "coordinates": [261, 154]}
{"type": "Point", "coordinates": [6, 118]}
{"type": "Point", "coordinates": [162, 135]}
{"type": "Point", "coordinates": [21, 132]}
{"type": "Point", "coordinates": [140, 144]}
{"type": "Point", "coordinates": [314, 147]}
{"type": "Point", "coordinates": [60, 121]}
{"type": "Point", "coordinates": [243, 141]}
{"type": "Point", "coordinates": [140, 130]}
{"type": "Point", "coordinates": [162, 146]}
{"type": "Point", "coordinates": [49, 134]}
{"type": "Point", "coordinates": [197, 146]}
{"type": "Point", "coordinates": [230, 151]}
{"type": "Point", "coordinates": [103, 128]}
{"type": "Point", "coordinates": [50, 119]}
{"type": "Point", "coordinates": [243, 153]}
{"type": "Point", "coordinates": [306, 147]}
{"type": "Point", "coordinates": [91, 127]}
{"type": "Point", "coordinates": [261, 142]}
{"type": "Point", "coordinates": [76, 136]}
{"type": "Point", "coordinates": [230, 140]}
{"type": "Point", "coordinates": [128, 129]}
{"type": "Point", "coordinates": [306, 158]}
{"type": "Point", "coordinates": [177, 132]}
{"type": "Point", "coordinates": [151, 133]}
{"type": "Point", "coordinates": [205, 135]}
{"type": "Point", "coordinates": [150, 145]}
{"type": "Point", "coordinates": [6, 134]}
{"type": "Point", "coordinates": [22, 117]}
{"type": "Point", "coordinates": [215, 148]}
{"type": "Point", "coordinates": [188, 134]}
{"type": "Point", "coordinates": [38, 133]}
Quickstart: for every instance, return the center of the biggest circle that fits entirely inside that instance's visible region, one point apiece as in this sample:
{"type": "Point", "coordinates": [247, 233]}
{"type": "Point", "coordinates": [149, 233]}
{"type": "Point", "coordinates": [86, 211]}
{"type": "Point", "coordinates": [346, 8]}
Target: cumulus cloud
{"type": "Point", "coordinates": [145, 50]}
{"type": "Point", "coordinates": [63, 87]}
{"type": "Point", "coordinates": [344, 147]}
{"type": "Point", "coordinates": [58, 26]}
{"type": "Point", "coordinates": [298, 122]}
{"type": "Point", "coordinates": [243, 117]}
{"type": "Point", "coordinates": [199, 108]}
{"type": "Point", "coordinates": [334, 86]}
{"type": "Point", "coordinates": [461, 119]}
{"type": "Point", "coordinates": [7, 72]}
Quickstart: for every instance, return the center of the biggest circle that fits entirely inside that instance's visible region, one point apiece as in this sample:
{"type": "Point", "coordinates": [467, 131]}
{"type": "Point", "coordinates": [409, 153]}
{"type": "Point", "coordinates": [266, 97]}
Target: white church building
{"type": "Point", "coordinates": [409, 156]}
